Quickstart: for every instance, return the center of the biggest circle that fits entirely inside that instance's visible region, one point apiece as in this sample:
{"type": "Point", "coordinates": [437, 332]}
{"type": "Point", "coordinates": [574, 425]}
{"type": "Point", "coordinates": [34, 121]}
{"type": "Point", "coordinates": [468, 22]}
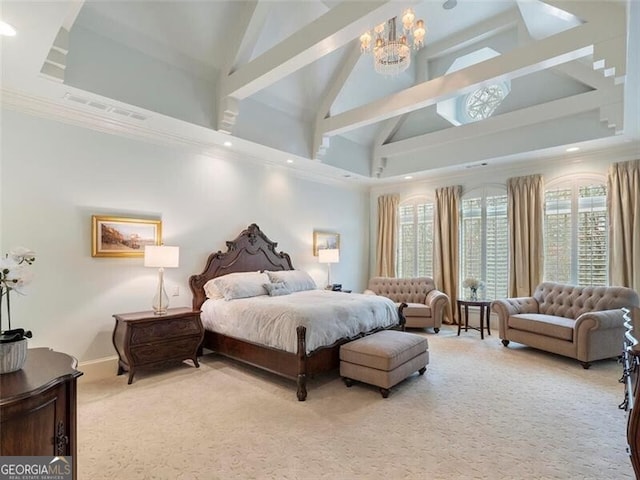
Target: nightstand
{"type": "Point", "coordinates": [143, 339]}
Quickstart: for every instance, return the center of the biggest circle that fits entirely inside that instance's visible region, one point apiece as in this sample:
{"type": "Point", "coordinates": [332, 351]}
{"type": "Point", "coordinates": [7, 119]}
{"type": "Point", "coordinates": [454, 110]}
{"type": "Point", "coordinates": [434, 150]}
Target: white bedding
{"type": "Point", "coordinates": [272, 321]}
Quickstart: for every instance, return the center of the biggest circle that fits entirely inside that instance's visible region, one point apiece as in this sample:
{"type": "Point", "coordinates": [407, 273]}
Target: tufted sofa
{"type": "Point", "coordinates": [426, 305]}
{"type": "Point", "coordinates": [584, 323]}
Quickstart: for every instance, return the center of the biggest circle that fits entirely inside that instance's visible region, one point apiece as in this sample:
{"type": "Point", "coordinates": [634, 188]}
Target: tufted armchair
{"type": "Point", "coordinates": [426, 305]}
{"type": "Point", "coordinates": [584, 323]}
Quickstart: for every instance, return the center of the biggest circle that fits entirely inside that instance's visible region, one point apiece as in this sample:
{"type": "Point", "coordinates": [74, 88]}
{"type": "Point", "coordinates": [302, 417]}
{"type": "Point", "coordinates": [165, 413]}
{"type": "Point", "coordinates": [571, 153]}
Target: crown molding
{"type": "Point", "coordinates": [200, 139]}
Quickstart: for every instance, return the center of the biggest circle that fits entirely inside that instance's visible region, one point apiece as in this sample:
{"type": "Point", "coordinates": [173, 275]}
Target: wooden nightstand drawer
{"type": "Point", "coordinates": [161, 330]}
{"type": "Point", "coordinates": [144, 339]}
{"type": "Point", "coordinates": [152, 353]}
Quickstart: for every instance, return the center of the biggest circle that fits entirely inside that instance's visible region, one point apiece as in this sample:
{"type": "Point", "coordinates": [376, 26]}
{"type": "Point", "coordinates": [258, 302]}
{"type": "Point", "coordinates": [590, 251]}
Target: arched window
{"type": "Point", "coordinates": [415, 238]}
{"type": "Point", "coordinates": [484, 253]}
{"type": "Point", "coordinates": [575, 231]}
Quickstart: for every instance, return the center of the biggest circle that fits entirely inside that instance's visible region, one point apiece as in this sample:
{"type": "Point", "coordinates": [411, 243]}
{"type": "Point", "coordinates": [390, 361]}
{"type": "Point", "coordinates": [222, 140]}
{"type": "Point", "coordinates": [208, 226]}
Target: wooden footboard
{"type": "Point", "coordinates": [295, 366]}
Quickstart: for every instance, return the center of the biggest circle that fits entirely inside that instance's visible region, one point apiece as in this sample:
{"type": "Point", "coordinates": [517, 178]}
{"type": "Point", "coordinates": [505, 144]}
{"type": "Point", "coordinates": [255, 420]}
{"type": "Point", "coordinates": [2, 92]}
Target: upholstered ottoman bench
{"type": "Point", "coordinates": [383, 359]}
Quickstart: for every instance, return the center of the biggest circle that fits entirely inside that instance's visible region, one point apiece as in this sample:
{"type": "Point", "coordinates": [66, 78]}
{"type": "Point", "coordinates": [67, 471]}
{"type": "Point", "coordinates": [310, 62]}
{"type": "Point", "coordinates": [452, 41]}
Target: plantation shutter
{"type": "Point", "coordinates": [484, 244]}
{"type": "Point", "coordinates": [576, 241]}
{"type": "Point", "coordinates": [415, 240]}
{"type": "Point", "coordinates": [592, 235]}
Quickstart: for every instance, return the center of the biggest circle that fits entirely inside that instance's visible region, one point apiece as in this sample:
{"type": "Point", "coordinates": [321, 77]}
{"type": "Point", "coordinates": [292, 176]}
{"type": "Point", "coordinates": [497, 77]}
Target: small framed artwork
{"type": "Point", "coordinates": [122, 236]}
{"type": "Point", "coordinates": [322, 240]}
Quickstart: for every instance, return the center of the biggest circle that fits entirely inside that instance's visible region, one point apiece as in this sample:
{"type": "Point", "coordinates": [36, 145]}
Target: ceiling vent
{"type": "Point", "coordinates": [104, 107]}
{"type": "Point", "coordinates": [475, 165]}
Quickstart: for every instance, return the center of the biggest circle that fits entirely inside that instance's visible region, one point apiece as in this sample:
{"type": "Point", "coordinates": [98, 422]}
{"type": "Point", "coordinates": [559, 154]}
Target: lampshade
{"type": "Point", "coordinates": [161, 256]}
{"type": "Point", "coordinates": [329, 255]}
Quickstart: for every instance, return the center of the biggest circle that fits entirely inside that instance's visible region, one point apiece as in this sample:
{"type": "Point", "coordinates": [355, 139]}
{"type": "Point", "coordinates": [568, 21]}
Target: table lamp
{"type": "Point", "coordinates": [161, 257]}
{"type": "Point", "coordinates": [329, 256]}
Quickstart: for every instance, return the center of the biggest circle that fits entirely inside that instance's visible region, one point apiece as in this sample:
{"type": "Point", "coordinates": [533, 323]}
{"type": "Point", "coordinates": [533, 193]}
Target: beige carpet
{"type": "Point", "coordinates": [481, 411]}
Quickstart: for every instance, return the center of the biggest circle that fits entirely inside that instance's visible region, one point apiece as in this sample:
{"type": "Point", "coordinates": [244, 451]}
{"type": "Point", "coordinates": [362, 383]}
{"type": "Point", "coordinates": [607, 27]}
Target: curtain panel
{"type": "Point", "coordinates": [525, 213]}
{"type": "Point", "coordinates": [387, 235]}
{"type": "Point", "coordinates": [623, 205]}
{"type": "Point", "coordinates": [445, 245]}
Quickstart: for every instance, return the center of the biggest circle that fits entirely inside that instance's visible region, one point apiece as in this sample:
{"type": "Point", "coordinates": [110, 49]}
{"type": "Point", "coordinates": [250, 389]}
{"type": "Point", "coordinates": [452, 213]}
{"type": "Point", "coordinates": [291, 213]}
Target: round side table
{"type": "Point", "coordinates": [484, 308]}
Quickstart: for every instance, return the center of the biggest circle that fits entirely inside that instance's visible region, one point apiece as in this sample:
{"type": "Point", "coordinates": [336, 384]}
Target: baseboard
{"type": "Point", "coordinates": [98, 369]}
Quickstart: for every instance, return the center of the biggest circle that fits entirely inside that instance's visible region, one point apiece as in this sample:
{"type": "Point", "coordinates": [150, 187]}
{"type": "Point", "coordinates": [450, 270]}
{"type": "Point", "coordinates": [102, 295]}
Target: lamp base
{"type": "Point", "coordinates": [160, 299]}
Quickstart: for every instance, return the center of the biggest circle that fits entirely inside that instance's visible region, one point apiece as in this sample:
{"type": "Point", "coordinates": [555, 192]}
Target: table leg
{"type": "Point", "coordinates": [481, 322]}
{"type": "Point", "coordinates": [466, 318]}
{"type": "Point", "coordinates": [488, 320]}
{"type": "Point", "coordinates": [459, 319]}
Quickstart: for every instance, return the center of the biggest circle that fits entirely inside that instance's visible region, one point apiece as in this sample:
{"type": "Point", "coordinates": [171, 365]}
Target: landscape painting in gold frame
{"type": "Point", "coordinates": [122, 236]}
{"type": "Point", "coordinates": [324, 240]}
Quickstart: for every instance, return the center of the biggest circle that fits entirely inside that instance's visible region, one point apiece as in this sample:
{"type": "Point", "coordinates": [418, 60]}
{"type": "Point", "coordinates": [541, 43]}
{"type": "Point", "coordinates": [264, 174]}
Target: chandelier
{"type": "Point", "coordinates": [392, 54]}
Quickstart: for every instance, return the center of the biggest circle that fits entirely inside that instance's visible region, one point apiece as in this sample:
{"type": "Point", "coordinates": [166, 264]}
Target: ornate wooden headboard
{"type": "Point", "coordinates": [251, 251]}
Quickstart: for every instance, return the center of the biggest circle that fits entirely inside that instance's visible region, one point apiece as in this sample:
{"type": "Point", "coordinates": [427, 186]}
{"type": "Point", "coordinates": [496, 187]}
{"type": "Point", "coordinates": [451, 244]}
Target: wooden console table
{"type": "Point", "coordinates": [38, 407]}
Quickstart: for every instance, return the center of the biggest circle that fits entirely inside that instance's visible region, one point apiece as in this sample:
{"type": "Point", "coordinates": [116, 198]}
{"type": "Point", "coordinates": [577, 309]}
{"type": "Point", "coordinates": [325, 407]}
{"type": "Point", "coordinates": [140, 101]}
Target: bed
{"type": "Point", "coordinates": [252, 251]}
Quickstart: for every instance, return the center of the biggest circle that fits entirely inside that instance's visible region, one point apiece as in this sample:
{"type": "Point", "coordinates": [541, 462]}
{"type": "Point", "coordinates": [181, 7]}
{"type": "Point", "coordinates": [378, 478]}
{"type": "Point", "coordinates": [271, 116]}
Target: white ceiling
{"type": "Point", "coordinates": [285, 79]}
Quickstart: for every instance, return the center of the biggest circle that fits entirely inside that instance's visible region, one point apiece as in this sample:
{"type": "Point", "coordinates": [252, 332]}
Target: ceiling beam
{"type": "Point", "coordinates": [388, 130]}
{"type": "Point", "coordinates": [248, 24]}
{"type": "Point", "coordinates": [335, 86]}
{"type": "Point", "coordinates": [544, 112]}
{"type": "Point", "coordinates": [585, 74]}
{"type": "Point", "coordinates": [549, 52]}
{"type": "Point", "coordinates": [472, 35]}
{"type": "Point", "coordinates": [327, 33]}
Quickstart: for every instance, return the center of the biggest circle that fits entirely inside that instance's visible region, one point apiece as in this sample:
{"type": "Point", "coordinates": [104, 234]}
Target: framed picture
{"type": "Point", "coordinates": [123, 237]}
{"type": "Point", "coordinates": [322, 240]}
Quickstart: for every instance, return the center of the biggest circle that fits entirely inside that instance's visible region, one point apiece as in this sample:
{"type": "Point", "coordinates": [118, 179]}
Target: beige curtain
{"type": "Point", "coordinates": [445, 245]}
{"type": "Point", "coordinates": [387, 228]}
{"type": "Point", "coordinates": [525, 212]}
{"type": "Point", "coordinates": [623, 204]}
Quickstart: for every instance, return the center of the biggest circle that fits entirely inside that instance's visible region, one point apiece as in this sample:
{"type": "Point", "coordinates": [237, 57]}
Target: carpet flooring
{"type": "Point", "coordinates": [481, 411]}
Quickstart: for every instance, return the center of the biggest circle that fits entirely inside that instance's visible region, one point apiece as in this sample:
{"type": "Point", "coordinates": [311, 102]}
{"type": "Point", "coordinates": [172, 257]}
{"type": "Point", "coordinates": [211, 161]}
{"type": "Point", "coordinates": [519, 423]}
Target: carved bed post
{"type": "Point", "coordinates": [401, 316]}
{"type": "Point", "coordinates": [302, 362]}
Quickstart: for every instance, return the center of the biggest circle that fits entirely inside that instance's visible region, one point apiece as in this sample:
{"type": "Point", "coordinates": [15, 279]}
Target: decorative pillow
{"type": "Point", "coordinates": [277, 289]}
{"type": "Point", "coordinates": [296, 280]}
{"type": "Point", "coordinates": [241, 285]}
{"type": "Point", "coordinates": [211, 291]}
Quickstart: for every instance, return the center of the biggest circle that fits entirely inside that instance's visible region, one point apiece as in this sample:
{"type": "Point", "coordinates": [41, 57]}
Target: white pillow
{"type": "Point", "coordinates": [211, 291]}
{"type": "Point", "coordinates": [296, 280]}
{"type": "Point", "coordinates": [241, 285]}
{"type": "Point", "coordinates": [277, 289]}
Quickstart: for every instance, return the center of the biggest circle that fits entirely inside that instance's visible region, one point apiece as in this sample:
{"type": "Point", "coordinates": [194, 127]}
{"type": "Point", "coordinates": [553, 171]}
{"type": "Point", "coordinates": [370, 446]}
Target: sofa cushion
{"type": "Point", "coordinates": [416, 310]}
{"type": "Point", "coordinates": [547, 325]}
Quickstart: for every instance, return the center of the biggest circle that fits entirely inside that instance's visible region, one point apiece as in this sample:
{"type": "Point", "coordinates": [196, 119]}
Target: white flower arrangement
{"type": "Point", "coordinates": [472, 283]}
{"type": "Point", "coordinates": [14, 276]}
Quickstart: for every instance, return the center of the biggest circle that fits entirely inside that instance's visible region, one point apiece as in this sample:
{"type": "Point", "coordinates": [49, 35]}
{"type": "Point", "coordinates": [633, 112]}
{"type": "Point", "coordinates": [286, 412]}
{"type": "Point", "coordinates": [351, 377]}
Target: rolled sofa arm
{"type": "Point", "coordinates": [600, 320]}
{"type": "Point", "coordinates": [506, 307]}
{"type": "Point", "coordinates": [438, 302]}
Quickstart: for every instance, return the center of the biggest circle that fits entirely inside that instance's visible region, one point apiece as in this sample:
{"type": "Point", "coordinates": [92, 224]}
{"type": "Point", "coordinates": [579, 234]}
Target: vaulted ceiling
{"type": "Point", "coordinates": [286, 81]}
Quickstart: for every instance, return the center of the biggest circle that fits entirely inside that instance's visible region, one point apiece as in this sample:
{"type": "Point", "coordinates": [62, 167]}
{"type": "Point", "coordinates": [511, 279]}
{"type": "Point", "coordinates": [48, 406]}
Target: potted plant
{"type": "Point", "coordinates": [473, 285]}
{"type": "Point", "coordinates": [14, 276]}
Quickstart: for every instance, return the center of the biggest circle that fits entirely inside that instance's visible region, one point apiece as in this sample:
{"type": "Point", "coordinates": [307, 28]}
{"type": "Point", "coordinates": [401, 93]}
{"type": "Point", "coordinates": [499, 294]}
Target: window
{"type": "Point", "coordinates": [484, 251]}
{"type": "Point", "coordinates": [415, 239]}
{"type": "Point", "coordinates": [575, 233]}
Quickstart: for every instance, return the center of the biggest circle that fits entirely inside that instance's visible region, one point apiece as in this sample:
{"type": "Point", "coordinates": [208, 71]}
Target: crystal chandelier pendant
{"type": "Point", "coordinates": [392, 54]}
{"type": "Point", "coordinates": [392, 58]}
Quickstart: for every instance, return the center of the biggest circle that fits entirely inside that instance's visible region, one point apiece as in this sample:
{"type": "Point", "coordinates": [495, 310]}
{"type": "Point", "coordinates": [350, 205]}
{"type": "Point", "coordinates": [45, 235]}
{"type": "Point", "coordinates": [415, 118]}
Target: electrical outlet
{"type": "Point", "coordinates": [176, 291]}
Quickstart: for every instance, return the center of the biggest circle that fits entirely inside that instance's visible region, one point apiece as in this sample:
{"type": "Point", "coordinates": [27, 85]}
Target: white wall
{"type": "Point", "coordinates": [55, 176]}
